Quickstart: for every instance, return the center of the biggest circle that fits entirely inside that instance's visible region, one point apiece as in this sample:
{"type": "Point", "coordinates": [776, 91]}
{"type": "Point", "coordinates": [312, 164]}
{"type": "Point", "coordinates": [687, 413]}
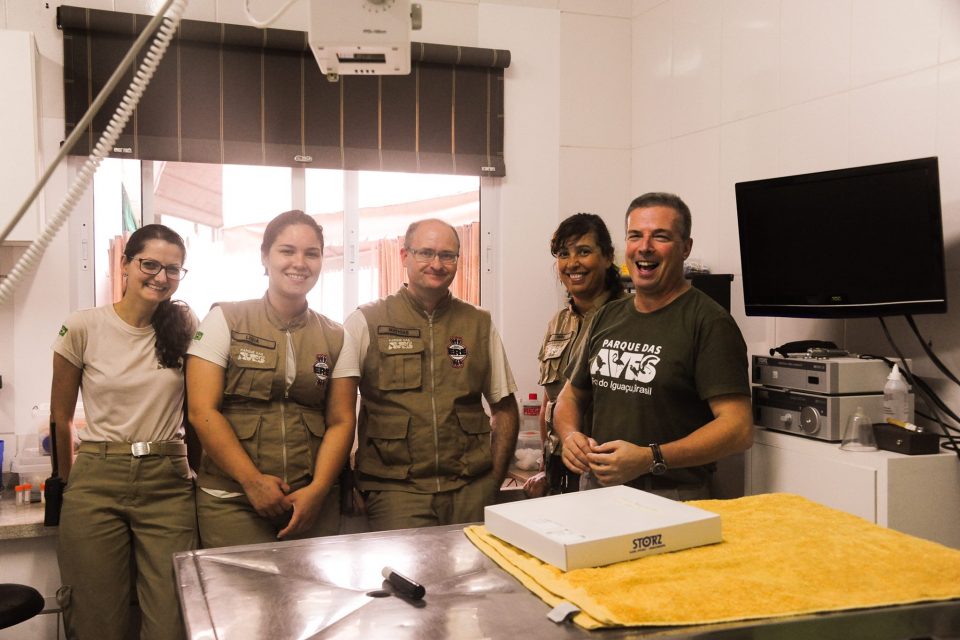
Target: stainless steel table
{"type": "Point", "coordinates": [319, 588]}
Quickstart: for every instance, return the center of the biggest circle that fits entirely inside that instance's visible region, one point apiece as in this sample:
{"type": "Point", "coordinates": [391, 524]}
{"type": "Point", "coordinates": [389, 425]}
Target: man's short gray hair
{"type": "Point", "coordinates": [408, 236]}
{"type": "Point", "coordinates": [662, 199]}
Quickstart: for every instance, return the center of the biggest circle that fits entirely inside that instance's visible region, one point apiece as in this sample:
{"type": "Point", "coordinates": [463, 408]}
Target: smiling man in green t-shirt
{"type": "Point", "coordinates": [665, 370]}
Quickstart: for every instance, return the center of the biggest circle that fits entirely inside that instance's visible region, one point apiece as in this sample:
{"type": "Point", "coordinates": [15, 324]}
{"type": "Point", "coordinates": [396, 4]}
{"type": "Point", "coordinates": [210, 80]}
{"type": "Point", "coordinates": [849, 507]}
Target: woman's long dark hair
{"type": "Point", "coordinates": [172, 321]}
{"type": "Point", "coordinates": [580, 224]}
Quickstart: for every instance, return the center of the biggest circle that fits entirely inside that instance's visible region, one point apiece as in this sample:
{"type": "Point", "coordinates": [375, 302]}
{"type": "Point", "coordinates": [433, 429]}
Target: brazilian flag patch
{"type": "Point", "coordinates": [63, 330]}
{"type": "Point", "coordinates": [198, 335]}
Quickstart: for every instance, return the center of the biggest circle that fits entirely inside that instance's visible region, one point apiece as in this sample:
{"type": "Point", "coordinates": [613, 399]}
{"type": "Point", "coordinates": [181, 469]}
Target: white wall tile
{"type": "Point", "coordinates": [652, 71]}
{"type": "Point", "coordinates": [815, 136]}
{"type": "Point", "coordinates": [609, 8]}
{"type": "Point", "coordinates": [641, 6]}
{"type": "Point", "coordinates": [815, 49]}
{"type": "Point", "coordinates": [195, 10]}
{"type": "Point", "coordinates": [595, 83]}
{"type": "Point", "coordinates": [749, 150]}
{"type": "Point", "coordinates": [894, 120]}
{"type": "Point", "coordinates": [528, 199]}
{"type": "Point", "coordinates": [948, 150]}
{"type": "Point", "coordinates": [893, 37]}
{"type": "Point", "coordinates": [695, 168]}
{"type": "Point", "coordinates": [530, 4]}
{"type": "Point", "coordinates": [750, 57]}
{"type": "Point", "coordinates": [232, 12]}
{"type": "Point", "coordinates": [950, 31]}
{"type": "Point", "coordinates": [448, 23]}
{"type": "Point", "coordinates": [756, 330]}
{"type": "Point", "coordinates": [687, 13]}
{"type": "Point", "coordinates": [695, 99]}
{"type": "Point", "coordinates": [596, 181]}
{"type": "Point", "coordinates": [651, 168]}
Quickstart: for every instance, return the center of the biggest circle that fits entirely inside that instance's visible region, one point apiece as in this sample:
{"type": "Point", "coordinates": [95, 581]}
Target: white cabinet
{"type": "Point", "coordinates": [919, 495]}
{"type": "Point", "coordinates": [19, 131]}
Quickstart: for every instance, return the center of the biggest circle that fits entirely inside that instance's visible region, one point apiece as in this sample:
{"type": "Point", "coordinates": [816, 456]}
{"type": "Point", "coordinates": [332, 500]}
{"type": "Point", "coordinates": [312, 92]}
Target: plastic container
{"type": "Point", "coordinates": [41, 419]}
{"type": "Point", "coordinates": [529, 452]}
{"type": "Point", "coordinates": [32, 470]}
{"type": "Point", "coordinates": [858, 434]}
{"type": "Point", "coordinates": [895, 396]}
{"type": "Point", "coordinates": [530, 419]}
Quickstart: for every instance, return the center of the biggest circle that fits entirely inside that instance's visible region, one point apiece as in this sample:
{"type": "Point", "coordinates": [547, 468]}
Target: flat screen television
{"type": "Point", "coordinates": [857, 242]}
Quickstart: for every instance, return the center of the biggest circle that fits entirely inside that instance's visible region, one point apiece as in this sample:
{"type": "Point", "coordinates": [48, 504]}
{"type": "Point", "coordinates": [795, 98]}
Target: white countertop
{"type": "Point", "coordinates": [22, 521]}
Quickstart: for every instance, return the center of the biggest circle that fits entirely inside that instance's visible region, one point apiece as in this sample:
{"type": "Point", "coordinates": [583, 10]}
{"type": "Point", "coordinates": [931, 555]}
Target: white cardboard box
{"type": "Point", "coordinates": [601, 526]}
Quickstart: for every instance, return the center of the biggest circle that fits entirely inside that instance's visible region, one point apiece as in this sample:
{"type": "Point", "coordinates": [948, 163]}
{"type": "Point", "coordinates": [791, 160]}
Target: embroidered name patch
{"type": "Point", "coordinates": [553, 349]}
{"type": "Point", "coordinates": [384, 330]}
{"type": "Point", "coordinates": [249, 338]}
{"type": "Point", "coordinates": [393, 344]}
{"type": "Point", "coordinates": [249, 355]}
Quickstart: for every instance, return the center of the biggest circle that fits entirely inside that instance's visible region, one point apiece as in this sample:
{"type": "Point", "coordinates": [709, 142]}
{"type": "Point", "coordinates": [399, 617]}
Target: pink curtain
{"type": "Point", "coordinates": [466, 285]}
{"type": "Point", "coordinates": [117, 284]}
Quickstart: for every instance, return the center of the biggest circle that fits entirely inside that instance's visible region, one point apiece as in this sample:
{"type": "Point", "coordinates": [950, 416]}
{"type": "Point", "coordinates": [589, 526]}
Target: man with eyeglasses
{"type": "Point", "coordinates": [427, 453]}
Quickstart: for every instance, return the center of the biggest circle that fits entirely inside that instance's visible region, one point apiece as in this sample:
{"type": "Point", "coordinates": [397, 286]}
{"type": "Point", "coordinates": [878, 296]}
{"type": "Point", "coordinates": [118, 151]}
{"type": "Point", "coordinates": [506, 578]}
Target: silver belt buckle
{"type": "Point", "coordinates": [140, 449]}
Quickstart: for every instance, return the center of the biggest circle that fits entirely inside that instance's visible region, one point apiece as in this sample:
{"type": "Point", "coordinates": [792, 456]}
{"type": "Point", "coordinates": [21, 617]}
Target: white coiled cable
{"type": "Point", "coordinates": [172, 11]}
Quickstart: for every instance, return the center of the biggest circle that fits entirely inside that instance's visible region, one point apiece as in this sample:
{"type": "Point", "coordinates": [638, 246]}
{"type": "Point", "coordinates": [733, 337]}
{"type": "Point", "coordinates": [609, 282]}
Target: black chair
{"type": "Point", "coordinates": [18, 603]}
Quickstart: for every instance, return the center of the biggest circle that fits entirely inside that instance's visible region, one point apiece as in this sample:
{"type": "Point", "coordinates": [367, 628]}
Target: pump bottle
{"type": "Point", "coordinates": [895, 396]}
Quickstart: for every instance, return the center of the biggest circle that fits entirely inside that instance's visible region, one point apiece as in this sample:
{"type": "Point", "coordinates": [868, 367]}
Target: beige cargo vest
{"type": "Point", "coordinates": [422, 427]}
{"type": "Point", "coordinates": [280, 430]}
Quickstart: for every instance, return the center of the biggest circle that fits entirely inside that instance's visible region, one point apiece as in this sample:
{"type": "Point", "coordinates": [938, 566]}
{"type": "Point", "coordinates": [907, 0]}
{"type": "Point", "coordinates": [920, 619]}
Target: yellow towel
{"type": "Point", "coordinates": [781, 555]}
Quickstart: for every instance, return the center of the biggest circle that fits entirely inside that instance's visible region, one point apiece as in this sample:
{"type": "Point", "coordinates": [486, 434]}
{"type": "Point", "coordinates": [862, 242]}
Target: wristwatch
{"type": "Point", "coordinates": [659, 467]}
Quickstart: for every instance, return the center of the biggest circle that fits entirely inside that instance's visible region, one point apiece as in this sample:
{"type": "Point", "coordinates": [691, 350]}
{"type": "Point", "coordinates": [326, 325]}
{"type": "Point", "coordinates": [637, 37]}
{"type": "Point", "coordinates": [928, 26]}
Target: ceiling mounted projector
{"type": "Point", "coordinates": [362, 37]}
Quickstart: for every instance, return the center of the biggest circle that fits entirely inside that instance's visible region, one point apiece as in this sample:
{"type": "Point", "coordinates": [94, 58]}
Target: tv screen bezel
{"type": "Point", "coordinates": [938, 304]}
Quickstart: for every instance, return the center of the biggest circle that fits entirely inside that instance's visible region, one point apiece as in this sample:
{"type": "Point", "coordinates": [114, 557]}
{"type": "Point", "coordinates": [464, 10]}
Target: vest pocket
{"type": "Point", "coordinates": [550, 357]}
{"type": "Point", "coordinates": [253, 362]}
{"type": "Point", "coordinates": [475, 424]}
{"type": "Point", "coordinates": [247, 428]}
{"type": "Point", "coordinates": [400, 362]}
{"type": "Point", "coordinates": [316, 426]}
{"type": "Point", "coordinates": [386, 453]}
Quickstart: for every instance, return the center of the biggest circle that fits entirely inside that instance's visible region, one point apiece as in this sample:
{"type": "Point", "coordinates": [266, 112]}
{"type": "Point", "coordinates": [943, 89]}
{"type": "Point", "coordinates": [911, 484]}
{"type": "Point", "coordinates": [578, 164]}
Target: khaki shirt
{"type": "Point", "coordinates": [561, 344]}
{"type": "Point", "coordinates": [279, 421]}
{"type": "Point", "coordinates": [422, 427]}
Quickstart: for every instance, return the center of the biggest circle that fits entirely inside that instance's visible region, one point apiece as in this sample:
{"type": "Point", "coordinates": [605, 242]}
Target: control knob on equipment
{"type": "Point", "coordinates": [809, 420]}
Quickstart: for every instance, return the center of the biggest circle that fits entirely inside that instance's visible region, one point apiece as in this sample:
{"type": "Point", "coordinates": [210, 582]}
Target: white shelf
{"type": "Point", "coordinates": [919, 495]}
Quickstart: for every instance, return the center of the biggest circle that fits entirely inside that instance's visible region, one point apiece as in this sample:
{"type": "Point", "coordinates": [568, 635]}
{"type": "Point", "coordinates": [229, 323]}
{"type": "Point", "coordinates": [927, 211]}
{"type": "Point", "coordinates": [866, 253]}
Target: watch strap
{"type": "Point", "coordinates": [659, 466]}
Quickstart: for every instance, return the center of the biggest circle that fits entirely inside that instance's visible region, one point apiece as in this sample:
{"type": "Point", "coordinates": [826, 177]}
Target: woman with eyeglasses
{"type": "Point", "coordinates": [584, 253]}
{"type": "Point", "coordinates": [129, 494]}
{"type": "Point", "coordinates": [276, 427]}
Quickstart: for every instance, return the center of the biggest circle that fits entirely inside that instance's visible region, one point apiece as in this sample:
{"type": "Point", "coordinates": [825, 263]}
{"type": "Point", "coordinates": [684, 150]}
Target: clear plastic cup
{"type": "Point", "coordinates": [858, 433]}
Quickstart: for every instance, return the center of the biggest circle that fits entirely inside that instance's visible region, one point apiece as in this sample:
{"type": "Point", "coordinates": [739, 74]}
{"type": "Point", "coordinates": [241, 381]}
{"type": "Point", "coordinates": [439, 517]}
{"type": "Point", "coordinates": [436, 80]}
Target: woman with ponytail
{"type": "Point", "coordinates": [129, 495]}
{"type": "Point", "coordinates": [584, 253]}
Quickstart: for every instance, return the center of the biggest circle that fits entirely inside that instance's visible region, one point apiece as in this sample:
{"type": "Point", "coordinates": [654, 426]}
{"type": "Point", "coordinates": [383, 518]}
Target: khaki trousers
{"type": "Point", "coordinates": [117, 508]}
{"type": "Point", "coordinates": [225, 522]}
{"type": "Point", "coordinates": [388, 510]}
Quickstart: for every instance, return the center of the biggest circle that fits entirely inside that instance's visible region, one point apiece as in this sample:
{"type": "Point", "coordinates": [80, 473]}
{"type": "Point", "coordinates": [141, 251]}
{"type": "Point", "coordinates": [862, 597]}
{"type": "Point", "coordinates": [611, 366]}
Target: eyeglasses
{"type": "Point", "coordinates": [153, 267]}
{"type": "Point", "coordinates": [580, 252]}
{"type": "Point", "coordinates": [427, 255]}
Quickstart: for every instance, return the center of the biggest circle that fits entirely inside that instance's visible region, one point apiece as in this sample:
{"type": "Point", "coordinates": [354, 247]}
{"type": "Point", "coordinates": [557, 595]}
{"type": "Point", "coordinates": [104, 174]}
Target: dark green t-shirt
{"type": "Point", "coordinates": [651, 374]}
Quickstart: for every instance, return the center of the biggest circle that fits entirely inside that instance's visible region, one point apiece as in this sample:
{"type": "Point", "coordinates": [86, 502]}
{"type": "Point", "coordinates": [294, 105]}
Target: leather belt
{"type": "Point", "coordinates": [135, 449]}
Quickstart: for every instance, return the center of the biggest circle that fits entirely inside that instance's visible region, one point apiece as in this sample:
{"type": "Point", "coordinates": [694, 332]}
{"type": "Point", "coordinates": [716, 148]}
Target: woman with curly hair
{"type": "Point", "coordinates": [129, 494]}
